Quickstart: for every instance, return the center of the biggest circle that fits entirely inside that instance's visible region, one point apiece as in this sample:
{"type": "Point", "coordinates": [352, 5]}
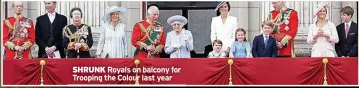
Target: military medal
{"type": "Point", "coordinates": [22, 34]}
{"type": "Point", "coordinates": [286, 28]}
{"type": "Point", "coordinates": [25, 24]}
{"type": "Point", "coordinates": [158, 29]}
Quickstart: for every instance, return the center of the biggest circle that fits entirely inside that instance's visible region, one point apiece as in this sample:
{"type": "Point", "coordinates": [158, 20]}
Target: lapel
{"type": "Point", "coordinates": [268, 42]}
{"type": "Point", "coordinates": [351, 29]}
{"type": "Point", "coordinates": [48, 21]}
{"type": "Point", "coordinates": [262, 41]}
{"type": "Point", "coordinates": [225, 22]}
{"type": "Point", "coordinates": [54, 22]}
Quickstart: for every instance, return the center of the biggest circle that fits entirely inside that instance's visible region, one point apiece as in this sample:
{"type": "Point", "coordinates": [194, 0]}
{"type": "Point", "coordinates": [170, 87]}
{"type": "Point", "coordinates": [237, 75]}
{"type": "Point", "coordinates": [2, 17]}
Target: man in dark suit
{"type": "Point", "coordinates": [264, 45]}
{"type": "Point", "coordinates": [48, 32]}
{"type": "Point", "coordinates": [348, 34]}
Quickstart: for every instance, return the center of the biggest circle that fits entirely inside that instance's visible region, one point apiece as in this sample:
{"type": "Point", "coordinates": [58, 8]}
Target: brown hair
{"type": "Point", "coordinates": [242, 30]}
{"type": "Point", "coordinates": [348, 11]}
{"type": "Point", "coordinates": [74, 9]}
{"type": "Point", "coordinates": [229, 8]}
{"type": "Point", "coordinates": [268, 23]}
{"type": "Point", "coordinates": [217, 41]}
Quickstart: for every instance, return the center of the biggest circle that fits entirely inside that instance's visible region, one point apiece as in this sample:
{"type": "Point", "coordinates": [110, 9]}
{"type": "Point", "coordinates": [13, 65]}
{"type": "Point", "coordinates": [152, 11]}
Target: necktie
{"type": "Point", "coordinates": [265, 41]}
{"type": "Point", "coordinates": [346, 30]}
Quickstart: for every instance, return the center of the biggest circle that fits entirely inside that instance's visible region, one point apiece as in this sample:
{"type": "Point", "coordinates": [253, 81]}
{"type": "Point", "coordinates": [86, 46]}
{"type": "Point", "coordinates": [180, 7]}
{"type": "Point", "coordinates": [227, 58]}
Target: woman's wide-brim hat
{"type": "Point", "coordinates": [320, 6]}
{"type": "Point", "coordinates": [219, 5]}
{"type": "Point", "coordinates": [177, 18]}
{"type": "Point", "coordinates": [112, 9]}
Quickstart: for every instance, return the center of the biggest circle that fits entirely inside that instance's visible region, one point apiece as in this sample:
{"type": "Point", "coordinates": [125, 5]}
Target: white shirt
{"type": "Point", "coordinates": [51, 16]}
{"type": "Point", "coordinates": [224, 32]}
{"type": "Point", "coordinates": [264, 37]}
{"type": "Point", "coordinates": [113, 41]}
{"type": "Point", "coordinates": [350, 22]}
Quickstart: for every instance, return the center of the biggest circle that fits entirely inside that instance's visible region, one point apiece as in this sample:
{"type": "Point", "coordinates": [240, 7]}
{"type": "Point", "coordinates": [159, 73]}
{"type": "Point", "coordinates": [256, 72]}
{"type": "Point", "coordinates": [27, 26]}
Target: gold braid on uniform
{"type": "Point", "coordinates": [26, 45]}
{"type": "Point", "coordinates": [84, 44]}
{"type": "Point", "coordinates": [10, 45]}
{"type": "Point", "coordinates": [67, 33]}
{"type": "Point", "coordinates": [143, 45]}
{"type": "Point", "coordinates": [285, 40]}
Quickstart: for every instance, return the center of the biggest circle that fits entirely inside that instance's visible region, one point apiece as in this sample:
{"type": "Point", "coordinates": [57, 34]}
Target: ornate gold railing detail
{"type": "Point", "coordinates": [42, 63]}
{"type": "Point", "coordinates": [325, 61]}
{"type": "Point", "coordinates": [137, 62]}
{"type": "Point", "coordinates": [230, 62]}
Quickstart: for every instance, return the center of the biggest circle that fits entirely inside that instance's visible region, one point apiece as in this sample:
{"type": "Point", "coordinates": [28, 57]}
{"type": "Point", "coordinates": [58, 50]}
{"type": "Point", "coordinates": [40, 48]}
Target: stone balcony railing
{"type": "Point", "coordinates": [301, 48]}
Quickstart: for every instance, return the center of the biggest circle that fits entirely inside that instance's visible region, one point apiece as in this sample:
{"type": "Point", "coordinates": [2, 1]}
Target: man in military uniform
{"type": "Point", "coordinates": [285, 28]}
{"type": "Point", "coordinates": [18, 34]}
{"type": "Point", "coordinates": [148, 36]}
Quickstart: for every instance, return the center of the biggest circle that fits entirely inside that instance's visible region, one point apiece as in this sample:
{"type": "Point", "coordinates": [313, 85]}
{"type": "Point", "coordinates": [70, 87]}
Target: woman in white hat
{"type": "Point", "coordinates": [322, 34]}
{"type": "Point", "coordinates": [224, 26]}
{"type": "Point", "coordinates": [113, 41]}
{"type": "Point", "coordinates": [179, 42]}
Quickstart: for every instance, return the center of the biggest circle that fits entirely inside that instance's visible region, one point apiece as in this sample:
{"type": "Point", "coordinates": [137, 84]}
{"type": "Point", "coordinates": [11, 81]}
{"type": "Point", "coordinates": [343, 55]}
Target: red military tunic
{"type": "Point", "coordinates": [286, 22]}
{"type": "Point", "coordinates": [18, 32]}
{"type": "Point", "coordinates": [144, 35]}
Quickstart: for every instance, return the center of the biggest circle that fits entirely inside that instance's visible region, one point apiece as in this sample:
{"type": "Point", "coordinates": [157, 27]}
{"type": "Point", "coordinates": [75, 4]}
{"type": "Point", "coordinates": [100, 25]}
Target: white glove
{"type": "Point", "coordinates": [176, 46]}
{"type": "Point", "coordinates": [77, 46]}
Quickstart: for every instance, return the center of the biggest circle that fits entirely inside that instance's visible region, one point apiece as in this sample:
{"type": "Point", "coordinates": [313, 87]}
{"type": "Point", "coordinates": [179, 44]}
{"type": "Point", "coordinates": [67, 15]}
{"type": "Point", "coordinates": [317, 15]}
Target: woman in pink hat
{"type": "Point", "coordinates": [322, 34]}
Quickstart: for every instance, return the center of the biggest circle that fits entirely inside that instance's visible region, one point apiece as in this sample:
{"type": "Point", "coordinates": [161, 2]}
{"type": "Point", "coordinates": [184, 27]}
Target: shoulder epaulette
{"type": "Point", "coordinates": [87, 25]}
{"type": "Point", "coordinates": [67, 26]}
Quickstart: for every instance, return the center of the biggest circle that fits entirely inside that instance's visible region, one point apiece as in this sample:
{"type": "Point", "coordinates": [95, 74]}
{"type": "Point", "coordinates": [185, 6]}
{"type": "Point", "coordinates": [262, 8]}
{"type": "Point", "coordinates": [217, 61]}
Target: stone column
{"type": "Point", "coordinates": [131, 17]}
{"type": "Point", "coordinates": [239, 9]}
{"type": "Point", "coordinates": [114, 3]}
{"type": "Point", "coordinates": [254, 19]}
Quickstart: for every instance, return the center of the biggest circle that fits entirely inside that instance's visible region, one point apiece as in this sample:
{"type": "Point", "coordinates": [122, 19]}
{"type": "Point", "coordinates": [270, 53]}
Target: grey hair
{"type": "Point", "coordinates": [151, 9]}
{"type": "Point", "coordinates": [52, 2]}
{"type": "Point", "coordinates": [182, 24]}
{"type": "Point", "coordinates": [13, 4]}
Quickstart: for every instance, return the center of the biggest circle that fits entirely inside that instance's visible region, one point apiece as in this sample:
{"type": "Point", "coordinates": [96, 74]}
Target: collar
{"type": "Point", "coordinates": [349, 23]}
{"type": "Point", "coordinates": [283, 9]}
{"type": "Point", "coordinates": [52, 14]}
{"type": "Point", "coordinates": [18, 16]}
{"type": "Point", "coordinates": [217, 52]}
{"type": "Point", "coordinates": [149, 22]}
{"type": "Point", "coordinates": [264, 36]}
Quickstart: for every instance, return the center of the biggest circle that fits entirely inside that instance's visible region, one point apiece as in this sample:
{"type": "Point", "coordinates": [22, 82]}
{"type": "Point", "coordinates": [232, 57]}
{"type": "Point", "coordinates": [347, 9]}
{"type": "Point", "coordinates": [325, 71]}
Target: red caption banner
{"type": "Point", "coordinates": [254, 71]}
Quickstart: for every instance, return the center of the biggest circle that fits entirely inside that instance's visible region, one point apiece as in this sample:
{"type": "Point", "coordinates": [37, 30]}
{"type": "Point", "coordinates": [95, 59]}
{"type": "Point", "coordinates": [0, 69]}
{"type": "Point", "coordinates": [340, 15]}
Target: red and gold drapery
{"type": "Point", "coordinates": [195, 71]}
